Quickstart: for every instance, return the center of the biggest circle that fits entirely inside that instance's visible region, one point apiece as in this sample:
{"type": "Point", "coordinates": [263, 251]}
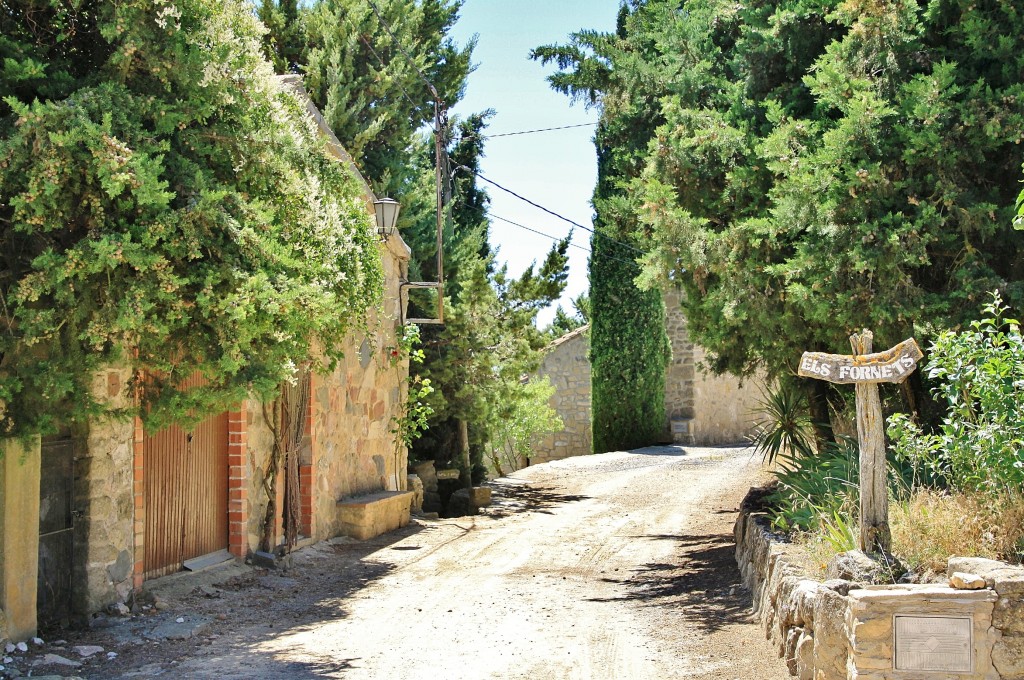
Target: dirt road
{"type": "Point", "coordinates": [617, 565]}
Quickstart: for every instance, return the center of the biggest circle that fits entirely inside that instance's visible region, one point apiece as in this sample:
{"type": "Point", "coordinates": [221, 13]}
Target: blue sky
{"type": "Point", "coordinates": [555, 169]}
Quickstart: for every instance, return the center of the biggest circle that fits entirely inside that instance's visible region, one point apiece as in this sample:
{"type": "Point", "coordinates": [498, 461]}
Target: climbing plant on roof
{"type": "Point", "coordinates": [164, 205]}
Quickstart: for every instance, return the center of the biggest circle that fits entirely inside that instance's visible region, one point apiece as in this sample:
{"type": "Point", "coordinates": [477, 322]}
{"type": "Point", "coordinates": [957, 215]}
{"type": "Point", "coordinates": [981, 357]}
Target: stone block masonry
{"type": "Point", "coordinates": [106, 494]}
{"type": "Point", "coordinates": [365, 517]}
{"type": "Point", "coordinates": [567, 365]}
{"type": "Point", "coordinates": [701, 409]}
{"type": "Point", "coordinates": [972, 627]}
{"type": "Point", "coordinates": [704, 409]}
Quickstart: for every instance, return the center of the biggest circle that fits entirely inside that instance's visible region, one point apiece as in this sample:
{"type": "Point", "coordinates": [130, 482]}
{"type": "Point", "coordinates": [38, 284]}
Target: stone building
{"type": "Point", "coordinates": [567, 364]}
{"type": "Point", "coordinates": [702, 409]}
{"type": "Point", "coordinates": [131, 505]}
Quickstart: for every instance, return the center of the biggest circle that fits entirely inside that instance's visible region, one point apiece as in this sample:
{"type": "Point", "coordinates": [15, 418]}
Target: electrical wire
{"type": "Point", "coordinates": [553, 213]}
{"type": "Point", "coordinates": [534, 231]}
{"type": "Point", "coordinates": [366, 42]}
{"type": "Point", "coordinates": [401, 48]}
{"type": "Point", "coordinates": [556, 238]}
{"type": "Point", "coordinates": [530, 132]}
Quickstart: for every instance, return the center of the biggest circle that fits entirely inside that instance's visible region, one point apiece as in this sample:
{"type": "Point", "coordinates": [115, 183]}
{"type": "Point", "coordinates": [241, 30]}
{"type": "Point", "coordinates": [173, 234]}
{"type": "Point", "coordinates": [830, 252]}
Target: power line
{"type": "Point", "coordinates": [384, 66]}
{"type": "Point", "coordinates": [530, 132]}
{"type": "Point", "coordinates": [539, 233]}
{"type": "Point", "coordinates": [556, 238]}
{"type": "Point", "coordinates": [553, 213]}
{"type": "Point", "coordinates": [401, 48]}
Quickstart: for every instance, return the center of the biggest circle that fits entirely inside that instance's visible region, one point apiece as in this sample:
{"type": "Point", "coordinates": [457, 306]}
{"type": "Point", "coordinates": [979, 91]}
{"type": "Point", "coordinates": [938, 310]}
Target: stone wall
{"type": "Point", "coordinates": [104, 497]}
{"type": "Point", "coordinates": [702, 408]}
{"type": "Point", "coordinates": [354, 452]}
{"type": "Point", "coordinates": [838, 629]}
{"type": "Point", "coordinates": [351, 450]}
{"type": "Point", "coordinates": [567, 365]}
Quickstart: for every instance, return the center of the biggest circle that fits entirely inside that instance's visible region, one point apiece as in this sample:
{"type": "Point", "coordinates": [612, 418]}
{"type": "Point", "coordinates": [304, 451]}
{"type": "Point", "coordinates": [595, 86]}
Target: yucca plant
{"type": "Point", "coordinates": [787, 429]}
{"type": "Point", "coordinates": [816, 488]}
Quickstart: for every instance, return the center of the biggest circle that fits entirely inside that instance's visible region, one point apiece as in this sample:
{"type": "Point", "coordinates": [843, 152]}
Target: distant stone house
{"type": "Point", "coordinates": [567, 365]}
{"type": "Point", "coordinates": [119, 505]}
{"type": "Point", "coordinates": [701, 409]}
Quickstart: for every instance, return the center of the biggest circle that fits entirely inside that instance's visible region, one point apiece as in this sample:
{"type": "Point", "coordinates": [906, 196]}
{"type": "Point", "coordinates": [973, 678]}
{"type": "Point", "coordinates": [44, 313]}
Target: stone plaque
{"type": "Point", "coordinates": [934, 643]}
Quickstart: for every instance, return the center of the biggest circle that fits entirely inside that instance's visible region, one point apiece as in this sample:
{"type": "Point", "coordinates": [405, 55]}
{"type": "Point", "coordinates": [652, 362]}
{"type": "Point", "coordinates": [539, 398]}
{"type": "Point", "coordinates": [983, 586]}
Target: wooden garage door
{"type": "Point", "coordinates": [186, 482]}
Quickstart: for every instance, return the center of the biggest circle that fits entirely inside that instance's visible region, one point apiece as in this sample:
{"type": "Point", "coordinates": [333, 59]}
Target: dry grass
{"type": "Point", "coordinates": [931, 526]}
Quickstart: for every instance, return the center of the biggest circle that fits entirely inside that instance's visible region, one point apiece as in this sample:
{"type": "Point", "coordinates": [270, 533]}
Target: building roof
{"type": "Point", "coordinates": [582, 330]}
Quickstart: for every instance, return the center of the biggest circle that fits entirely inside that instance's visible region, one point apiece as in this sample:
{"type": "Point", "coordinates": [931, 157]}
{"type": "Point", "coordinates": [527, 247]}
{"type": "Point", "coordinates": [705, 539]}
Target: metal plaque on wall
{"type": "Point", "coordinates": [934, 643]}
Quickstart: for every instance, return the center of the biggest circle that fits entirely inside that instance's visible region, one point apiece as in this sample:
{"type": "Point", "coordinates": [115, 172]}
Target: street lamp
{"type": "Point", "coordinates": [386, 212]}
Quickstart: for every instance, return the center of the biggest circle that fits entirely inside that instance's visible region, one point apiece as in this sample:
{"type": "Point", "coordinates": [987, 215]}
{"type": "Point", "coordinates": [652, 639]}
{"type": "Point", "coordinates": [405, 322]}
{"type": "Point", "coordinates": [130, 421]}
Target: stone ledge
{"type": "Point", "coordinates": [365, 517]}
{"type": "Point", "coordinates": [840, 630]}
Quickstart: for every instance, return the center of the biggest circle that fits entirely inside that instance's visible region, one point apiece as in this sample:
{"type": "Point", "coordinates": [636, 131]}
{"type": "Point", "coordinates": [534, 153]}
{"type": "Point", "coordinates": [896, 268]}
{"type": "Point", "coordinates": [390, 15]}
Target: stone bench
{"type": "Point", "coordinates": [368, 516]}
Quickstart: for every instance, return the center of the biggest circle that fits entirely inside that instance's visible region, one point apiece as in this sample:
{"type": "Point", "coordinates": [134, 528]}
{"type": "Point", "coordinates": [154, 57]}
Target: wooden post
{"type": "Point", "coordinates": [874, 493]}
{"type": "Point", "coordinates": [865, 370]}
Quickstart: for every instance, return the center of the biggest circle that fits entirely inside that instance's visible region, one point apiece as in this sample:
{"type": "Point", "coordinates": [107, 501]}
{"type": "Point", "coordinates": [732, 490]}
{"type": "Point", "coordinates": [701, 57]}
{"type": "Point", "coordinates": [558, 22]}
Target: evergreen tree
{"type": "Point", "coordinates": [152, 174]}
{"type": "Point", "coordinates": [563, 322]}
{"type": "Point", "coordinates": [629, 348]}
{"type": "Point", "coordinates": [816, 167]}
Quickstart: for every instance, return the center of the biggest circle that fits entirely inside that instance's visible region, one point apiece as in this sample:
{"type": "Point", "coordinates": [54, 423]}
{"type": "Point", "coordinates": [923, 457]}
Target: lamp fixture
{"type": "Point", "coordinates": [386, 212]}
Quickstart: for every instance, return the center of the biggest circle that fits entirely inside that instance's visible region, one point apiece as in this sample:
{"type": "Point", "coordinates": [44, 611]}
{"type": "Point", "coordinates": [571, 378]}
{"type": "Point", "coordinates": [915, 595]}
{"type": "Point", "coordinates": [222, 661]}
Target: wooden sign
{"type": "Point", "coordinates": [891, 366]}
{"type": "Point", "coordinates": [865, 370]}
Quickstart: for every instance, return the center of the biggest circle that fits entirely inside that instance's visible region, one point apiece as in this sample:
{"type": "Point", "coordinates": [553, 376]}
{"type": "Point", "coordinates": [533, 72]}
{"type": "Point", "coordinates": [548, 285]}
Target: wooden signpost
{"type": "Point", "coordinates": [865, 370]}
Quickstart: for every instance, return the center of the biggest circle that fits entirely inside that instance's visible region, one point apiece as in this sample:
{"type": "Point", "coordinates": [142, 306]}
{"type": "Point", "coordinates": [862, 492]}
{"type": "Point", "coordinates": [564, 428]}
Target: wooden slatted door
{"type": "Point", "coordinates": [186, 482]}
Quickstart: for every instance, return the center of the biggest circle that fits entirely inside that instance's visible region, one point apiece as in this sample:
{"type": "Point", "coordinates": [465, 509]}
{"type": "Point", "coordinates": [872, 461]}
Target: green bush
{"type": "Point", "coordinates": [980, 377]}
{"type": "Point", "coordinates": [787, 428]}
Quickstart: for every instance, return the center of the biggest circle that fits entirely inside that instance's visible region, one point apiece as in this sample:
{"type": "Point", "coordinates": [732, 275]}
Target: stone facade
{"type": "Point", "coordinates": [104, 496]}
{"type": "Point", "coordinates": [350, 452]}
{"type": "Point", "coordinates": [839, 630]}
{"type": "Point", "coordinates": [567, 364]}
{"type": "Point", "coordinates": [704, 409]}
{"type": "Point", "coordinates": [349, 449]}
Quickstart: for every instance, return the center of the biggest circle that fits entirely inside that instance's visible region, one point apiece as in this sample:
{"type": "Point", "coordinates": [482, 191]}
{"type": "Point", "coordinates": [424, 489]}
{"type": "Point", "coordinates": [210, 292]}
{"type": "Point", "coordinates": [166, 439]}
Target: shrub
{"type": "Point", "coordinates": [787, 428]}
{"type": "Point", "coordinates": [979, 444]}
{"type": "Point", "coordinates": [814, 490]}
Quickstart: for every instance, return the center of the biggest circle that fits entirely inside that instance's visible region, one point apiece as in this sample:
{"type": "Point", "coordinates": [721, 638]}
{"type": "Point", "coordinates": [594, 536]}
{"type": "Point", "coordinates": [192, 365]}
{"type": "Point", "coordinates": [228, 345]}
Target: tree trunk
{"type": "Point", "coordinates": [464, 446]}
{"type": "Point", "coordinates": [821, 419]}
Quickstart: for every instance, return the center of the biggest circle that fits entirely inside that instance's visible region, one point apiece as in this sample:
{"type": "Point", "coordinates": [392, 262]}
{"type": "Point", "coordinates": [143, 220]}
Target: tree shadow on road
{"type": "Point", "coordinates": [248, 611]}
{"type": "Point", "coordinates": [511, 497]}
{"type": "Point", "coordinates": [702, 584]}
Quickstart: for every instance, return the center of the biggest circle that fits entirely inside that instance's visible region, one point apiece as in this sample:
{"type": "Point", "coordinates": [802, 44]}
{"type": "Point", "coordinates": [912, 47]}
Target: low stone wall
{"type": "Point", "coordinates": [369, 516]}
{"type": "Point", "coordinates": [971, 628]}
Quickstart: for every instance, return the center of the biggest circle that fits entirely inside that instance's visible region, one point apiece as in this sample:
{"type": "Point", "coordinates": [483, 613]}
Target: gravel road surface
{"type": "Point", "coordinates": [618, 565]}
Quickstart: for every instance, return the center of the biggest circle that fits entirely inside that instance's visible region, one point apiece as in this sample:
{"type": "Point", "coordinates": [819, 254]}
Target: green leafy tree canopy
{"type": "Point", "coordinates": [163, 204]}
